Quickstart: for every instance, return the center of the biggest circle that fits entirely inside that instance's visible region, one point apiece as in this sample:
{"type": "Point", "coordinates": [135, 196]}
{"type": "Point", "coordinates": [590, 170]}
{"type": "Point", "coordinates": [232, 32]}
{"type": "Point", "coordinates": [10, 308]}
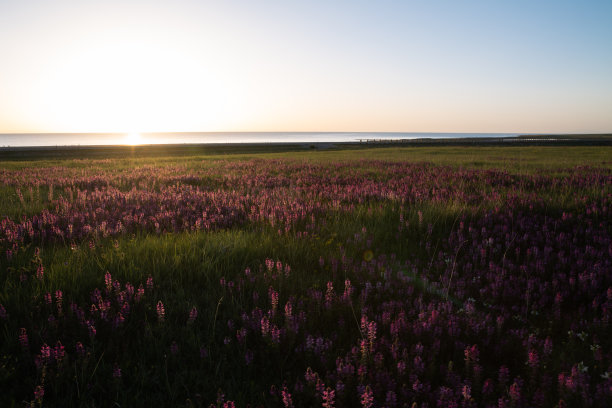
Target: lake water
{"type": "Point", "coordinates": [93, 139]}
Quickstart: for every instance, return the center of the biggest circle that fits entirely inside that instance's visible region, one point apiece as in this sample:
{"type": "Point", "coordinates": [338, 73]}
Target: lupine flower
{"type": "Point", "coordinates": [193, 314]}
{"type": "Point", "coordinates": [59, 298]}
{"type": "Point", "coordinates": [472, 355]}
{"type": "Point", "coordinates": [329, 294]}
{"type": "Point", "coordinates": [328, 398]}
{"type": "Point", "coordinates": [265, 325]}
{"type": "Point", "coordinates": [319, 386]}
{"type": "Point", "coordinates": [275, 334]}
{"type": "Point", "coordinates": [40, 272]}
{"type": "Point", "coordinates": [466, 391]}
{"type": "Point", "coordinates": [91, 328]}
{"type": "Point", "coordinates": [372, 335]}
{"type": "Point", "coordinates": [174, 348]}
{"type": "Point", "coordinates": [3, 313]}
{"type": "Point", "coordinates": [286, 395]}
{"type": "Point", "coordinates": [116, 371]}
{"type": "Point", "coordinates": [45, 352]}
{"type": "Point", "coordinates": [129, 288]}
{"type": "Point", "coordinates": [139, 294]}
{"type": "Point", "coordinates": [59, 352]}
{"type": "Point", "coordinates": [161, 311]}
{"type": "Point", "coordinates": [391, 399]}
{"type": "Point", "coordinates": [367, 398]}
{"type": "Point", "coordinates": [533, 360]}
{"type": "Point", "coordinates": [150, 282]}
{"type": "Point", "coordinates": [108, 280]}
{"type": "Point", "coordinates": [80, 349]}
{"type": "Point", "coordinates": [515, 392]}
{"type": "Point", "coordinates": [310, 376]}
{"type": "Point", "coordinates": [39, 393]}
{"type": "Point", "coordinates": [288, 310]}
{"type": "Point", "coordinates": [339, 387]}
{"type": "Point", "coordinates": [273, 298]}
{"type": "Point", "coordinates": [241, 335]}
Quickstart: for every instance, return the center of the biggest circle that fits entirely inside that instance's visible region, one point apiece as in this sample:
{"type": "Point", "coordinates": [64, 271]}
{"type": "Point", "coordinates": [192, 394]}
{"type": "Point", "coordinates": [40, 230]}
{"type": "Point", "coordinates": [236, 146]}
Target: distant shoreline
{"type": "Point", "coordinates": [27, 153]}
{"type": "Point", "coordinates": [605, 138]}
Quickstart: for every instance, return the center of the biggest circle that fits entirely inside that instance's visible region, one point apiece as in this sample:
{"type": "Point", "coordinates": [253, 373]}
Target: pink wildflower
{"type": "Point", "coordinates": [273, 298]}
{"type": "Point", "coordinates": [193, 314]}
{"type": "Point", "coordinates": [108, 280]}
{"type": "Point", "coordinates": [466, 391]}
{"type": "Point", "coordinates": [533, 359]}
{"type": "Point", "coordinates": [372, 334]}
{"type": "Point", "coordinates": [310, 376]}
{"type": "Point", "coordinates": [139, 293]}
{"type": "Point", "coordinates": [367, 398]}
{"type": "Point", "coordinates": [515, 392]}
{"type": "Point", "coordinates": [59, 352]}
{"type": "Point", "coordinates": [348, 290]}
{"type": "Point", "coordinates": [329, 294]}
{"type": "Point", "coordinates": [39, 393]}
{"type": "Point", "coordinates": [265, 325]}
{"type": "Point", "coordinates": [150, 282]}
{"type": "Point", "coordinates": [328, 398]}
{"type": "Point", "coordinates": [45, 352]}
{"type": "Point", "coordinates": [287, 401]}
{"type": "Point", "coordinates": [161, 311]}
{"type": "Point", "coordinates": [91, 328]}
{"type": "Point", "coordinates": [288, 310]}
{"type": "Point", "coordinates": [116, 371]}
{"type": "Point", "coordinates": [472, 355]}
{"type": "Point", "coordinates": [40, 272]}
{"type": "Point", "coordinates": [80, 349]}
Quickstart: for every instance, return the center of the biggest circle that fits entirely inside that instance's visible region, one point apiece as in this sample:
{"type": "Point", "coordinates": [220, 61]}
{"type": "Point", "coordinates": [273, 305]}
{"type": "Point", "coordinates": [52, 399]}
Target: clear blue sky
{"type": "Point", "coordinates": [464, 66]}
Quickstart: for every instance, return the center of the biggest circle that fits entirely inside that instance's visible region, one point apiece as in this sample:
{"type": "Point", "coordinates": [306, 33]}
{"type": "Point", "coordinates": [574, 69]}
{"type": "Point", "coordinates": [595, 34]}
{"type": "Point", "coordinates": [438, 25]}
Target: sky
{"type": "Point", "coordinates": [373, 66]}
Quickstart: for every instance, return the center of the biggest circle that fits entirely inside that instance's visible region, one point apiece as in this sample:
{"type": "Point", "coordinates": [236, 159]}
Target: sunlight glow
{"type": "Point", "coordinates": [133, 139]}
{"type": "Point", "coordinates": [122, 80]}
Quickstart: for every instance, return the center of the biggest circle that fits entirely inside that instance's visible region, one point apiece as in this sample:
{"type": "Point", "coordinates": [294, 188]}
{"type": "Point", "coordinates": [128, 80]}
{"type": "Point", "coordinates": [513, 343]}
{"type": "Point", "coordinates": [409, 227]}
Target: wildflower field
{"type": "Point", "coordinates": [433, 277]}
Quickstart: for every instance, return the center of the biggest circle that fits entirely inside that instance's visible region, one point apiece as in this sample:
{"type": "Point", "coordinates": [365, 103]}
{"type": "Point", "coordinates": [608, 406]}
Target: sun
{"type": "Point", "coordinates": [132, 138]}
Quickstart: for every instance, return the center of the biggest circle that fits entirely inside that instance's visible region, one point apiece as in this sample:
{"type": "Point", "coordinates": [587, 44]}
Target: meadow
{"type": "Point", "coordinates": [380, 277]}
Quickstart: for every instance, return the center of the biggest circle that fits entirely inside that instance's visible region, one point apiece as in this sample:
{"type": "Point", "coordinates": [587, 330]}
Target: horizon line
{"type": "Point", "coordinates": [303, 132]}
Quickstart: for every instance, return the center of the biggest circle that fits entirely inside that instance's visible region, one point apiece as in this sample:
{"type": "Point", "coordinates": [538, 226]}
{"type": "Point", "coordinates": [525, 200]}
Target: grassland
{"type": "Point", "coordinates": [473, 276]}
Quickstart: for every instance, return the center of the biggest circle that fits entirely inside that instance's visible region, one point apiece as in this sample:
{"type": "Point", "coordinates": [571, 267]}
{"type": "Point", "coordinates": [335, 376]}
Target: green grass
{"type": "Point", "coordinates": [516, 159]}
{"type": "Point", "coordinates": [187, 267]}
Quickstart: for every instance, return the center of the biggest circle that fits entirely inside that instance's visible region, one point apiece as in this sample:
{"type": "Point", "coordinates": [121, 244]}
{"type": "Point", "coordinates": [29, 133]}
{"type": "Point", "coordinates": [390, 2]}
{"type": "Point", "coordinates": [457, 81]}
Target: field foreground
{"type": "Point", "coordinates": [421, 278]}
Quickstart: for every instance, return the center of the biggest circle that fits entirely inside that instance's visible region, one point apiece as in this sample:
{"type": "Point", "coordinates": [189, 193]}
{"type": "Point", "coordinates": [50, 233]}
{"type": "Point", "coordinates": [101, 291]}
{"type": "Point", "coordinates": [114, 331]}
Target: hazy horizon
{"type": "Point", "coordinates": [239, 66]}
